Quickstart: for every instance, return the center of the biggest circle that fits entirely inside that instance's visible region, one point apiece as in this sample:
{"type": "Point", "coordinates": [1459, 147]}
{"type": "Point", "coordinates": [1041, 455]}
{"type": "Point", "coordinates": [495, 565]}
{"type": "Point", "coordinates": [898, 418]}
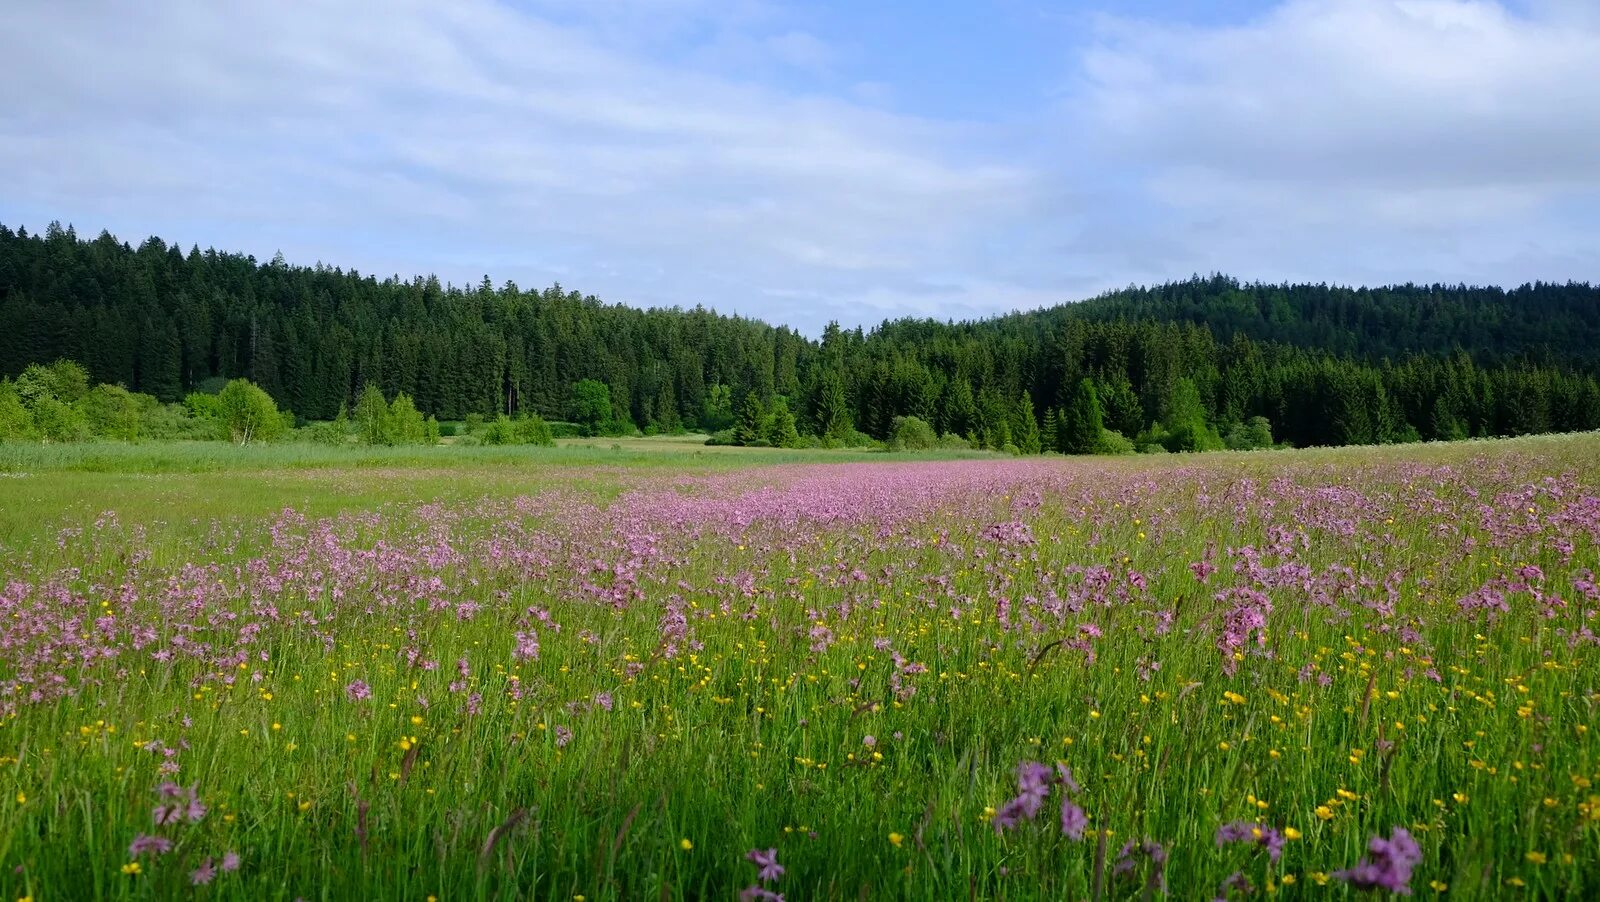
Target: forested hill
{"type": "Point", "coordinates": [1549, 322]}
{"type": "Point", "coordinates": [1177, 366]}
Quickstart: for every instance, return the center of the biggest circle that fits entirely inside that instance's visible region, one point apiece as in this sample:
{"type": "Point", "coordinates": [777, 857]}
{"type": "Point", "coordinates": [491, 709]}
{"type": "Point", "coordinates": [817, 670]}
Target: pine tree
{"type": "Point", "coordinates": [1024, 428]}
{"type": "Point", "coordinates": [781, 429]}
{"type": "Point", "coordinates": [830, 411]}
{"type": "Point", "coordinates": [1049, 436]}
{"type": "Point", "coordinates": [1081, 421]}
{"type": "Point", "coordinates": [752, 420]}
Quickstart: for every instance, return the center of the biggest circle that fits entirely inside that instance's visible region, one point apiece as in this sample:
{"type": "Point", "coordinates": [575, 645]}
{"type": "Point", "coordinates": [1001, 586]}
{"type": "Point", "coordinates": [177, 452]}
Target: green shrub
{"type": "Point", "coordinates": [1113, 442]}
{"type": "Point", "coordinates": [911, 434]}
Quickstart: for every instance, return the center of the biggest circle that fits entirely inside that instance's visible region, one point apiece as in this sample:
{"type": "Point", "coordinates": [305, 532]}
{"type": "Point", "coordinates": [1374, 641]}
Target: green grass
{"type": "Point", "coordinates": [753, 740]}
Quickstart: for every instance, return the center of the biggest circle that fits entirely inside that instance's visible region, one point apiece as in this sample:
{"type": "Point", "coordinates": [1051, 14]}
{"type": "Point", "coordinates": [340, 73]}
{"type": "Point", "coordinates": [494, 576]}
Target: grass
{"type": "Point", "coordinates": [721, 633]}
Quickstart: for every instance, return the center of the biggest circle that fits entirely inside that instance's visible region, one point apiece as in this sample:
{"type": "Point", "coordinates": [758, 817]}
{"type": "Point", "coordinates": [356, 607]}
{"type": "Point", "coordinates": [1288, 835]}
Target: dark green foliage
{"type": "Point", "coordinates": [830, 412]}
{"type": "Point", "coordinates": [1081, 421]}
{"type": "Point", "coordinates": [1324, 365]}
{"type": "Point", "coordinates": [1050, 434]}
{"type": "Point", "coordinates": [1254, 434]}
{"type": "Point", "coordinates": [752, 417]}
{"type": "Point", "coordinates": [1024, 427]}
{"type": "Point", "coordinates": [781, 429]}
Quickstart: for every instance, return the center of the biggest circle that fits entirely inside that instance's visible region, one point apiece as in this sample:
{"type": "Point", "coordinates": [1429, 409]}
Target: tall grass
{"type": "Point", "coordinates": [844, 663]}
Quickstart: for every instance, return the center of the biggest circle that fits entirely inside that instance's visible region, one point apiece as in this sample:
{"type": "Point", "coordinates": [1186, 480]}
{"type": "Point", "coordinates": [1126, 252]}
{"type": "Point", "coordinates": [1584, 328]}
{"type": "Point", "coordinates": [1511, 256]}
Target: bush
{"type": "Point", "coordinates": [248, 412]}
{"type": "Point", "coordinates": [15, 421]}
{"type": "Point", "coordinates": [952, 442]}
{"type": "Point", "coordinates": [323, 434]}
{"type": "Point", "coordinates": [721, 437]}
{"type": "Point", "coordinates": [498, 431]}
{"type": "Point", "coordinates": [533, 430]}
{"type": "Point", "coordinates": [111, 411]}
{"type": "Point", "coordinates": [1113, 442]}
{"type": "Point", "coordinates": [169, 422]}
{"type": "Point", "coordinates": [1250, 435]}
{"type": "Point", "coordinates": [911, 434]}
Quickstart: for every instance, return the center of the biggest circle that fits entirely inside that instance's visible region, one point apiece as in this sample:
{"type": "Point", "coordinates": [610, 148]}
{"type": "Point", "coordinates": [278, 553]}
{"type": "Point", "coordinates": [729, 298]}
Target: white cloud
{"type": "Point", "coordinates": [686, 151]}
{"type": "Point", "coordinates": [1347, 139]}
{"type": "Point", "coordinates": [441, 125]}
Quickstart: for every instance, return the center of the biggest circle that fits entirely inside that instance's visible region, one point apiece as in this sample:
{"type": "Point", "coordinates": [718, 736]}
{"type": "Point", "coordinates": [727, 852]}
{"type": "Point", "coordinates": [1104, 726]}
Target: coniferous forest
{"type": "Point", "coordinates": [1205, 363]}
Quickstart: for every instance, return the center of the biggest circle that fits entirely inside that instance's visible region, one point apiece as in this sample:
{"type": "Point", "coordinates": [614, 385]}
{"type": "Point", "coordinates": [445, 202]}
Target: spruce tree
{"type": "Point", "coordinates": [752, 418]}
{"type": "Point", "coordinates": [1081, 421]}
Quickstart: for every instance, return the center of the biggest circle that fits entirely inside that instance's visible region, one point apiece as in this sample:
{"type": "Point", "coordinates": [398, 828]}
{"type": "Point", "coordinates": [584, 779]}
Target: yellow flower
{"type": "Point", "coordinates": [1537, 857]}
{"type": "Point", "coordinates": [685, 844]}
{"type": "Point", "coordinates": [1460, 797]}
{"type": "Point", "coordinates": [22, 799]}
{"type": "Point", "coordinates": [895, 839]}
{"type": "Point", "coordinates": [1438, 886]}
{"type": "Point", "coordinates": [131, 867]}
{"type": "Point", "coordinates": [1324, 812]}
{"type": "Point", "coordinates": [1291, 833]}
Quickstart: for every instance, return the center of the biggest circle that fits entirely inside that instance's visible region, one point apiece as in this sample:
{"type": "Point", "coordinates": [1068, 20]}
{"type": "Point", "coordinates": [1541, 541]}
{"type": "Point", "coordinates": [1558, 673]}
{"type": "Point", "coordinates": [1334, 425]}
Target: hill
{"type": "Point", "coordinates": [1184, 366]}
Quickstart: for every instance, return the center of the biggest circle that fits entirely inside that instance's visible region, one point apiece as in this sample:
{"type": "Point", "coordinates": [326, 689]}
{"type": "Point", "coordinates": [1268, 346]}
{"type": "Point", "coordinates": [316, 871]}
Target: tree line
{"type": "Point", "coordinates": [1194, 365]}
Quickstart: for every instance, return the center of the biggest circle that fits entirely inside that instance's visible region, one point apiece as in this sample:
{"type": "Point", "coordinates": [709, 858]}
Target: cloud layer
{"type": "Point", "coordinates": [682, 152]}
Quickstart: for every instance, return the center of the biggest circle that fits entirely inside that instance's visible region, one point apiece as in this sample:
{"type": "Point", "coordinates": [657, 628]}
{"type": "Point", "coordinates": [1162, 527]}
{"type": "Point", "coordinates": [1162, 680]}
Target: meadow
{"type": "Point", "coordinates": [652, 671]}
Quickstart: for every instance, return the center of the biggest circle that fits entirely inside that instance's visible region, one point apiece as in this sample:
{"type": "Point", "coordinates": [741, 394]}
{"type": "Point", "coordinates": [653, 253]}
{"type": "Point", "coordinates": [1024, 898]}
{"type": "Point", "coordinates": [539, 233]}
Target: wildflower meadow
{"type": "Point", "coordinates": [563, 675]}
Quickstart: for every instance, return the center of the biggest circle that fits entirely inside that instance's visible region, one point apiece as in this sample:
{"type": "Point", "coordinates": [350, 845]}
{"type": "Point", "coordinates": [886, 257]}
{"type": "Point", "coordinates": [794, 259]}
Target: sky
{"type": "Point", "coordinates": [802, 162]}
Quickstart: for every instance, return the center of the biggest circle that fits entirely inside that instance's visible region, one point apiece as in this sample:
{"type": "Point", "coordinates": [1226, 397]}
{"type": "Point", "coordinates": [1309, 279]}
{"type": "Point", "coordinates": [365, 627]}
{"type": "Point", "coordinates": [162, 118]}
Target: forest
{"type": "Point", "coordinates": [1193, 365]}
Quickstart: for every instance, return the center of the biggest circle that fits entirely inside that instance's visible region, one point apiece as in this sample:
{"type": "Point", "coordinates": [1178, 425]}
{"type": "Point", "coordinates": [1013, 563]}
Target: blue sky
{"type": "Point", "coordinates": [802, 162]}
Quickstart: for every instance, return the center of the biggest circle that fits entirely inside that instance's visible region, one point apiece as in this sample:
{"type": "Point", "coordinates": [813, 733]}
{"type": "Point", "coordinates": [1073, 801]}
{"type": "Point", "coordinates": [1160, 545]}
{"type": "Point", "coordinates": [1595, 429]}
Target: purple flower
{"type": "Point", "coordinates": [358, 690]}
{"type": "Point", "coordinates": [603, 699]}
{"type": "Point", "coordinates": [203, 874]}
{"type": "Point", "coordinates": [1033, 784]}
{"type": "Point", "coordinates": [1247, 832]}
{"type": "Point", "coordinates": [230, 861]}
{"type": "Point", "coordinates": [527, 646]}
{"type": "Point", "coordinates": [767, 861]}
{"type": "Point", "coordinates": [1064, 774]}
{"type": "Point", "coordinates": [563, 736]}
{"type": "Point", "coordinates": [1073, 820]}
{"type": "Point", "coordinates": [186, 805]}
{"type": "Point", "coordinates": [1033, 778]}
{"type": "Point", "coordinates": [1387, 866]}
{"type": "Point", "coordinates": [757, 894]}
{"type": "Point", "coordinates": [1235, 881]}
{"type": "Point", "coordinates": [1151, 851]}
{"type": "Point", "coordinates": [869, 741]}
{"type": "Point", "coordinates": [144, 843]}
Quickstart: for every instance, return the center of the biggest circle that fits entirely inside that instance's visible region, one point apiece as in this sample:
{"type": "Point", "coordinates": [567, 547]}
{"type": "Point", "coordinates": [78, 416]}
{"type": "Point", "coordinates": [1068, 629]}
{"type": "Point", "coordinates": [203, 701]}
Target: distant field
{"type": "Point", "coordinates": [614, 669]}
